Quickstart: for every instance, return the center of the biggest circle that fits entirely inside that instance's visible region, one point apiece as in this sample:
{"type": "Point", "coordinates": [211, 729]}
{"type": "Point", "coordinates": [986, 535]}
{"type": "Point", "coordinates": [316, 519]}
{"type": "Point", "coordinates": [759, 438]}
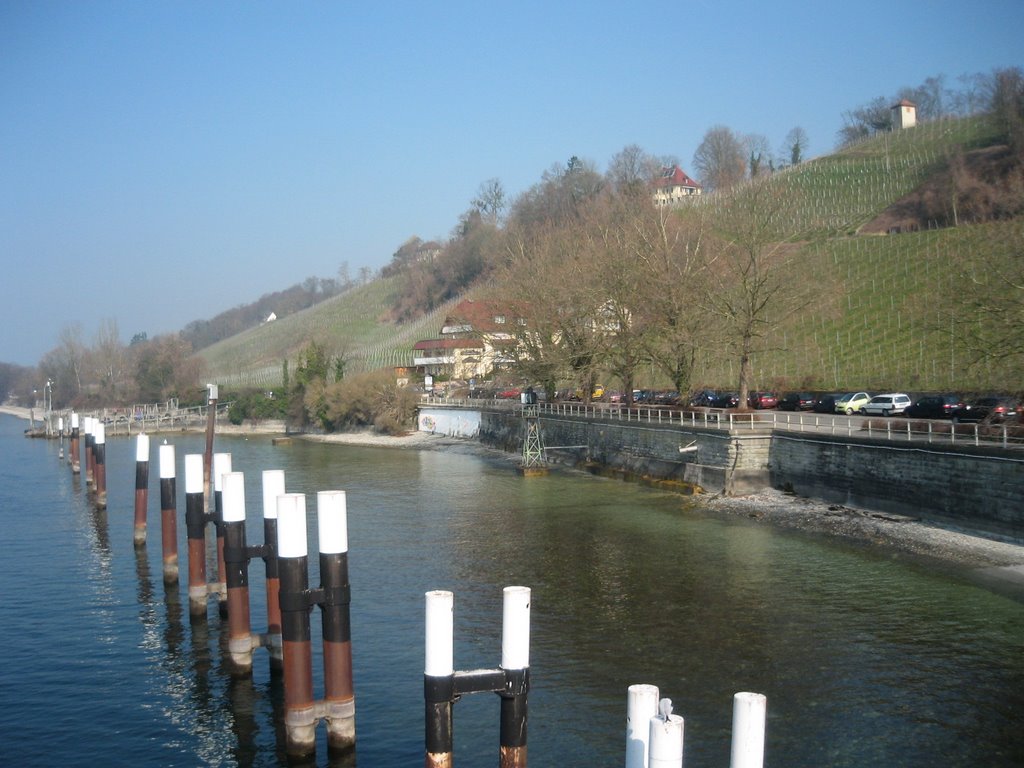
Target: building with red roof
{"type": "Point", "coordinates": [673, 186]}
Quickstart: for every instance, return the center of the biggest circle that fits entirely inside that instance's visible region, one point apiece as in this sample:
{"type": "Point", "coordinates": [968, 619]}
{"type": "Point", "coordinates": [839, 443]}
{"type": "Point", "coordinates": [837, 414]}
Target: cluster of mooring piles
{"type": "Point", "coordinates": [654, 736]}
{"type": "Point", "coordinates": [215, 498]}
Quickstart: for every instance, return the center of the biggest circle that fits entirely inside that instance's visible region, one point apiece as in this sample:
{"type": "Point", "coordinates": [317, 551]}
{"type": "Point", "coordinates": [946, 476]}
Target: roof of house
{"type": "Point", "coordinates": [675, 177]}
{"type": "Point", "coordinates": [480, 315]}
{"type": "Point", "coordinates": [448, 344]}
{"type": "Point", "coordinates": [903, 103]}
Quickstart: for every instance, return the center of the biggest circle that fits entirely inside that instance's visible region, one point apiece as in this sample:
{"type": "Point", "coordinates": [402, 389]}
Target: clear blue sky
{"type": "Point", "coordinates": [163, 161]}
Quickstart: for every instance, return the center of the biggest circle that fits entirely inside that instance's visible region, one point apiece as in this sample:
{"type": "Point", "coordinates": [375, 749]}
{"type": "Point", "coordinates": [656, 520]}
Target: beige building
{"type": "Point", "coordinates": [477, 338]}
{"type": "Point", "coordinates": [674, 186]}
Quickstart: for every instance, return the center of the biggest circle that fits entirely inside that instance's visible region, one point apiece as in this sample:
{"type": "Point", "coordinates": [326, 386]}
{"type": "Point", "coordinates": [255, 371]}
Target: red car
{"type": "Point", "coordinates": [762, 400]}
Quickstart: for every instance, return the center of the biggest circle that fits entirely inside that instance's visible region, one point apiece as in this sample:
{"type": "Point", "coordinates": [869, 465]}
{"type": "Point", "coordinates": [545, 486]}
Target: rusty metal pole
{"type": "Point", "coordinates": [339, 695]}
{"type": "Point", "coordinates": [195, 525]}
{"type": "Point", "coordinates": [515, 661]}
{"type": "Point", "coordinates": [293, 563]}
{"type": "Point", "coordinates": [211, 416]}
{"type": "Point", "coordinates": [141, 487]}
{"type": "Point", "coordinates": [221, 466]}
{"type": "Point", "coordinates": [100, 470]}
{"type": "Point", "coordinates": [439, 678]}
{"type": "Point", "coordinates": [73, 454]}
{"type": "Point", "coordinates": [273, 486]}
{"type": "Point", "coordinates": [236, 561]}
{"type": "Point", "coordinates": [168, 514]}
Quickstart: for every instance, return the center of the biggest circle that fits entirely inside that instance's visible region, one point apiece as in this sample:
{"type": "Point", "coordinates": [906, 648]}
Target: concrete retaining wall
{"type": "Point", "coordinates": [710, 458]}
{"type": "Point", "coordinates": [981, 488]}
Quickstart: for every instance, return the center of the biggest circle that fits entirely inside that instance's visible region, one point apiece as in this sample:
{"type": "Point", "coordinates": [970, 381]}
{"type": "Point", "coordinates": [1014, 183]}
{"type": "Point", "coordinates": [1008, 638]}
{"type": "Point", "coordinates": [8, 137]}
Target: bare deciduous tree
{"type": "Point", "coordinates": [751, 285]}
{"type": "Point", "coordinates": [490, 200]}
{"type": "Point", "coordinates": [720, 160]}
{"type": "Point", "coordinates": [795, 145]}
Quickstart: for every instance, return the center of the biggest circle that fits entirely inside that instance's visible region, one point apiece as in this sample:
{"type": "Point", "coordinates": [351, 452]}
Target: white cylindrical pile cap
{"type": "Point", "coordinates": [440, 634]}
{"type": "Point", "coordinates": [142, 447]}
{"type": "Point", "coordinates": [641, 706]}
{"type": "Point", "coordinates": [233, 497]}
{"type": "Point", "coordinates": [273, 486]}
{"type": "Point", "coordinates": [515, 628]}
{"type": "Point", "coordinates": [193, 473]}
{"type": "Point", "coordinates": [332, 522]}
{"type": "Point", "coordinates": [291, 525]}
{"type": "Point", "coordinates": [666, 742]}
{"type": "Point", "coordinates": [221, 466]}
{"type": "Point", "coordinates": [166, 462]}
{"type": "Point", "coordinates": [748, 716]}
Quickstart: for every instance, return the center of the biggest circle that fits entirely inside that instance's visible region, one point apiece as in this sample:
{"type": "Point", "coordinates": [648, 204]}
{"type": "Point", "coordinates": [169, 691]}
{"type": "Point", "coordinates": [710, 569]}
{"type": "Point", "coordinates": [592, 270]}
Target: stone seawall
{"type": "Point", "coordinates": [712, 459]}
{"type": "Point", "coordinates": [977, 487]}
{"type": "Point", "coordinates": [973, 486]}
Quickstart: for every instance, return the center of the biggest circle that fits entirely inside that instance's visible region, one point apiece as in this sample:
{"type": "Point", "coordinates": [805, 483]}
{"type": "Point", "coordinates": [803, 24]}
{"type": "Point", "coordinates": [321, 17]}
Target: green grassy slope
{"type": "Point", "coordinates": [352, 325]}
{"type": "Point", "coordinates": [889, 326]}
{"type": "Point", "coordinates": [886, 327]}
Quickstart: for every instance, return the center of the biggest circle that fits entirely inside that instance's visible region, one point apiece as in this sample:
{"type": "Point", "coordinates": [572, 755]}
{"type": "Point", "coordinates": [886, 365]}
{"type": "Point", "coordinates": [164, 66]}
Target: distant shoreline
{"type": "Point", "coordinates": [26, 414]}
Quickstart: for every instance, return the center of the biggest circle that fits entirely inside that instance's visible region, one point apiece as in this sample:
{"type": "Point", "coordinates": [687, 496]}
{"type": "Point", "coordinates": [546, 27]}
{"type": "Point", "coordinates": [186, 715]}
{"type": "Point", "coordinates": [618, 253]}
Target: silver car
{"type": "Point", "coordinates": [886, 405]}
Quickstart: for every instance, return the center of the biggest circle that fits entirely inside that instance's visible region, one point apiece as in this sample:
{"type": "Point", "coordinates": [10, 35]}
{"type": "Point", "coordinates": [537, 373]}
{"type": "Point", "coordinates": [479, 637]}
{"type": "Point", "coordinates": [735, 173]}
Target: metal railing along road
{"type": "Point", "coordinates": [893, 428]}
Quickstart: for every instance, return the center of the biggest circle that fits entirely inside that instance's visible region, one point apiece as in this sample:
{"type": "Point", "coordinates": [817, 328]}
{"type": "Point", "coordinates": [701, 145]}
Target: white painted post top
{"type": "Point", "coordinates": [167, 471]}
{"type": "Point", "coordinates": [99, 434]}
{"type": "Point", "coordinates": [666, 742]}
{"type": "Point", "coordinates": [440, 634]}
{"type": "Point", "coordinates": [748, 727]}
{"type": "Point", "coordinates": [233, 498]}
{"type": "Point", "coordinates": [142, 447]}
{"type": "Point", "coordinates": [332, 522]}
{"type": "Point", "coordinates": [515, 628]}
{"type": "Point", "coordinates": [193, 473]}
{"type": "Point", "coordinates": [221, 466]}
{"type": "Point", "coordinates": [273, 486]}
{"type": "Point", "coordinates": [291, 525]}
{"type": "Point", "coordinates": [641, 706]}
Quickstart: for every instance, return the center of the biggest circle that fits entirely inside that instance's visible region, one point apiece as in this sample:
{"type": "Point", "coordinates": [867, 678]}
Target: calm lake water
{"type": "Point", "coordinates": [866, 659]}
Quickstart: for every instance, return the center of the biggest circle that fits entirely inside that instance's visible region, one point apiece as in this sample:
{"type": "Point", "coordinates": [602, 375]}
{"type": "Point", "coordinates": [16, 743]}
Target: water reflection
{"type": "Point", "coordinates": [865, 660]}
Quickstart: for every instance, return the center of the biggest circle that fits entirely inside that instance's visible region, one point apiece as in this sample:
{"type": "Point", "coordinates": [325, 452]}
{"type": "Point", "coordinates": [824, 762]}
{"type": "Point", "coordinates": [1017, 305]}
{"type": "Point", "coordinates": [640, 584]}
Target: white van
{"type": "Point", "coordinates": [886, 405]}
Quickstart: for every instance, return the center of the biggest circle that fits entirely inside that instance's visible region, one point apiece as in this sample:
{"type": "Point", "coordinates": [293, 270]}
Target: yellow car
{"type": "Point", "coordinates": [852, 402]}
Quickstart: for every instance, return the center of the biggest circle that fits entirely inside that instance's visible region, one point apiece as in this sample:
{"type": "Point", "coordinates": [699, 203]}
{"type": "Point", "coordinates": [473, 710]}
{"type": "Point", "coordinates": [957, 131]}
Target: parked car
{"type": "Point", "coordinates": [992, 409]}
{"type": "Point", "coordinates": [888, 404]}
{"type": "Point", "coordinates": [826, 403]}
{"type": "Point", "coordinates": [852, 402]}
{"type": "Point", "coordinates": [703, 398]}
{"type": "Point", "coordinates": [643, 396]}
{"type": "Point", "coordinates": [762, 400]}
{"type": "Point", "coordinates": [726, 400]}
{"type": "Point", "coordinates": [935, 407]}
{"type": "Point", "coordinates": [796, 401]}
{"type": "Point", "coordinates": [669, 397]}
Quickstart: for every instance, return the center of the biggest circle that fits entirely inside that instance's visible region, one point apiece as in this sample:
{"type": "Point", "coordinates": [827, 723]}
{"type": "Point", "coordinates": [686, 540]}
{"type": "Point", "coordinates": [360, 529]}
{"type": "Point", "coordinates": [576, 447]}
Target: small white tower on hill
{"type": "Point", "coordinates": [904, 115]}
